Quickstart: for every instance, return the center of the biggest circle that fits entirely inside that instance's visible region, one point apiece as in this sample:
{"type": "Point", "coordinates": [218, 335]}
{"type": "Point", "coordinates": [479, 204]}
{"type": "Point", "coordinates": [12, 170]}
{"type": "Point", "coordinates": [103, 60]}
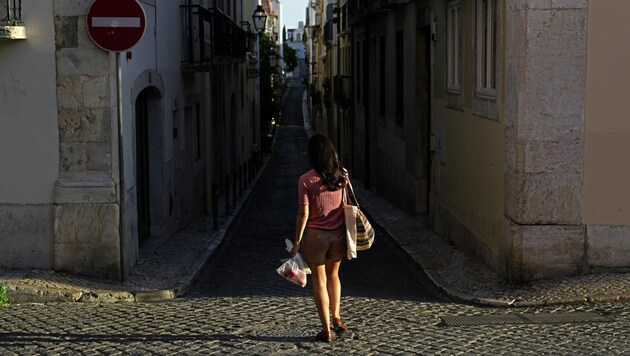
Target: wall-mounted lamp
{"type": "Point", "coordinates": [260, 19]}
{"type": "Point", "coordinates": [260, 22]}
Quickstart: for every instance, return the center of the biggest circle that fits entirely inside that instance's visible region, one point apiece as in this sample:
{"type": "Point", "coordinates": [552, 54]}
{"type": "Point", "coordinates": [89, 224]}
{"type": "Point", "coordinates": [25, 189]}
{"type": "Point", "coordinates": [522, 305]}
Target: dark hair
{"type": "Point", "coordinates": [323, 157]}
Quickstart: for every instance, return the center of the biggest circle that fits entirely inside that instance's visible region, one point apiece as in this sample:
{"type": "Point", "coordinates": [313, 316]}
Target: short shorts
{"type": "Point", "coordinates": [319, 246]}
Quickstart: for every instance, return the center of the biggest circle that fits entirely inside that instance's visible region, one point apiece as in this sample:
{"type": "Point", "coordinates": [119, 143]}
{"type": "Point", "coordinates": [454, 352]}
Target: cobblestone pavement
{"type": "Point", "coordinates": [265, 325]}
{"type": "Point", "coordinates": [239, 305]}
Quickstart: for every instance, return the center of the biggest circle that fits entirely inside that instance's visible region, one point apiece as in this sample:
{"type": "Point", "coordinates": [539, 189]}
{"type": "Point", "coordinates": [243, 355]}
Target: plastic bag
{"type": "Point", "coordinates": [294, 269]}
{"type": "Point", "coordinates": [303, 261]}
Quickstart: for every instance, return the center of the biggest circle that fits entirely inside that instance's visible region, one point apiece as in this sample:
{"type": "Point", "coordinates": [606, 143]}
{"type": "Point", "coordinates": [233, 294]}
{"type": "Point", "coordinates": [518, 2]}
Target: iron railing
{"type": "Point", "coordinates": [10, 12]}
{"type": "Point", "coordinates": [210, 37]}
{"type": "Point", "coordinates": [359, 10]}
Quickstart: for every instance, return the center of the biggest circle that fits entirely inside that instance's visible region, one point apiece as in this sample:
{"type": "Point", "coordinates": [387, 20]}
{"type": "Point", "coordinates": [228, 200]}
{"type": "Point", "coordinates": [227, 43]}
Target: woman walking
{"type": "Point", "coordinates": [320, 230]}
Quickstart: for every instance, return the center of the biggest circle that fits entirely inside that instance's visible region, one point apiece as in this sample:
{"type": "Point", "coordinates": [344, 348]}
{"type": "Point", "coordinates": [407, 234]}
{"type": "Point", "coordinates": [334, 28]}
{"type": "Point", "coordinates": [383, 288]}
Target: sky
{"type": "Point", "coordinates": [294, 11]}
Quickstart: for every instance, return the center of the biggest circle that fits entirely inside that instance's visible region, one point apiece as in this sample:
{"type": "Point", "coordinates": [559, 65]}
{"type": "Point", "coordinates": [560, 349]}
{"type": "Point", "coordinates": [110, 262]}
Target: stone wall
{"type": "Point", "coordinates": [27, 230]}
{"type": "Point", "coordinates": [86, 227]}
{"type": "Point", "coordinates": [545, 80]}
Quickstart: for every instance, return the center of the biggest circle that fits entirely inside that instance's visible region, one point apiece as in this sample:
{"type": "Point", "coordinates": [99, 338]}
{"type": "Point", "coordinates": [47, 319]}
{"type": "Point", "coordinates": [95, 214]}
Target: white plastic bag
{"type": "Point", "coordinates": [303, 261]}
{"type": "Point", "coordinates": [294, 269]}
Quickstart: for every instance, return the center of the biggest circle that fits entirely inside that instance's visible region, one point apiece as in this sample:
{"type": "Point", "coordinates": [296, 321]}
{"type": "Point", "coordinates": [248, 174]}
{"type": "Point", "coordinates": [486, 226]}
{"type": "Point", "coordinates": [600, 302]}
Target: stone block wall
{"type": "Point", "coordinates": [86, 213]}
{"type": "Point", "coordinates": [608, 247]}
{"type": "Point", "coordinates": [544, 119]}
{"type": "Point", "coordinates": [86, 237]}
{"type": "Point", "coordinates": [22, 228]}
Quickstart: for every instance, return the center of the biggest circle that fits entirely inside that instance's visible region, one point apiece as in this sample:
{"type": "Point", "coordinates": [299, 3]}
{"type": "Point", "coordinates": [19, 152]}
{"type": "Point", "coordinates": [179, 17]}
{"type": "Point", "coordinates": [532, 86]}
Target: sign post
{"type": "Point", "coordinates": [116, 25]}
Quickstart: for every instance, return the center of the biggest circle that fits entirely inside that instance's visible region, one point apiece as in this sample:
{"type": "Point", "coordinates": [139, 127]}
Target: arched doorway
{"type": "Point", "coordinates": [148, 167]}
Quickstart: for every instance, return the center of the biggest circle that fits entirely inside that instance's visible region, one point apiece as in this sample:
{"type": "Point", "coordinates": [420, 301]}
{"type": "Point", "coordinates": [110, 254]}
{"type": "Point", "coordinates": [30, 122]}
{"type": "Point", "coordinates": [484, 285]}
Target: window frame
{"type": "Point", "coordinates": [453, 47]}
{"type": "Point", "coordinates": [400, 78]}
{"type": "Point", "coordinates": [486, 48]}
{"type": "Point", "coordinates": [382, 76]}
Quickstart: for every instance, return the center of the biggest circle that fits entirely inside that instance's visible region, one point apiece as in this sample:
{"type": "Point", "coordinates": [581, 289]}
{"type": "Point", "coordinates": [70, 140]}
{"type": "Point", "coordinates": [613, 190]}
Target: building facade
{"type": "Point", "coordinates": [498, 122]}
{"type": "Point", "coordinates": [295, 40]}
{"type": "Point", "coordinates": [513, 82]}
{"type": "Point", "coordinates": [104, 151]}
{"type": "Point", "coordinates": [390, 67]}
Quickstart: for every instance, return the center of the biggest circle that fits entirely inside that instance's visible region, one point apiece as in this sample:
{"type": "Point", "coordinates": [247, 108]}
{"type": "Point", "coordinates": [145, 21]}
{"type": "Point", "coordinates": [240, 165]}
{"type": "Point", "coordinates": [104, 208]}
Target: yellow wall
{"type": "Point", "coordinates": [472, 178]}
{"type": "Point", "coordinates": [607, 137]}
{"type": "Point", "coordinates": [471, 185]}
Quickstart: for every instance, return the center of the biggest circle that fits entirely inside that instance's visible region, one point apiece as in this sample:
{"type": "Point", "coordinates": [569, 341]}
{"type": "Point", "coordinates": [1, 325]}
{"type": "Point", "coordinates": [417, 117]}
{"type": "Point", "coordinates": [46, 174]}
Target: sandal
{"type": "Point", "coordinates": [339, 326]}
{"type": "Point", "coordinates": [324, 336]}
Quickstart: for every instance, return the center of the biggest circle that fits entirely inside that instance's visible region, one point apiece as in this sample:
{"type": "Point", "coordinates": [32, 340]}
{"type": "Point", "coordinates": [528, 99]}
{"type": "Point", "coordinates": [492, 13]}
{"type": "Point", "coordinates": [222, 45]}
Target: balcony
{"type": "Point", "coordinates": [361, 10]}
{"type": "Point", "coordinates": [210, 38]}
{"type": "Point", "coordinates": [11, 24]}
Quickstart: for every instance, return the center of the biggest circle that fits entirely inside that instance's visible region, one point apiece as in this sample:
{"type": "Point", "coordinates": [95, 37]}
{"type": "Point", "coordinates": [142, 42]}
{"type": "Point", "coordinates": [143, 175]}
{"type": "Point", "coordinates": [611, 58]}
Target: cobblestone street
{"type": "Point", "coordinates": [285, 325]}
{"type": "Point", "coordinates": [240, 305]}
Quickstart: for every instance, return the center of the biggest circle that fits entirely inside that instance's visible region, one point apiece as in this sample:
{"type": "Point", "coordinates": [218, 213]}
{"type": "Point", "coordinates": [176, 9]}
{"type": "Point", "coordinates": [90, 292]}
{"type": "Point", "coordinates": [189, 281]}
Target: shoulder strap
{"type": "Point", "coordinates": [350, 192]}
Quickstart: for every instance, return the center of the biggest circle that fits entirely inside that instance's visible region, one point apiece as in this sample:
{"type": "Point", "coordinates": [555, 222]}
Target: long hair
{"type": "Point", "coordinates": [323, 157]}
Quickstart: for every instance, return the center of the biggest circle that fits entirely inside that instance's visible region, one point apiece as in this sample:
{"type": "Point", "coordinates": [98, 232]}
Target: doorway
{"type": "Point", "coordinates": [148, 167]}
{"type": "Point", "coordinates": [423, 109]}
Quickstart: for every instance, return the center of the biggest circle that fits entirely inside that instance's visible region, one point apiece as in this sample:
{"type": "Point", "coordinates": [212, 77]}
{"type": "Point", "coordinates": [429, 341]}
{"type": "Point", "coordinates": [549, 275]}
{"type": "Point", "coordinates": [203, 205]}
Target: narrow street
{"type": "Point", "coordinates": [240, 305]}
{"type": "Point", "coordinates": [246, 263]}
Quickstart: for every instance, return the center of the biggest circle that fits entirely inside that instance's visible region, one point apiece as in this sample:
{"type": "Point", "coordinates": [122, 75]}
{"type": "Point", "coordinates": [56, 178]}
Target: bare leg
{"type": "Point", "coordinates": [320, 294]}
{"type": "Point", "coordinates": [333, 286]}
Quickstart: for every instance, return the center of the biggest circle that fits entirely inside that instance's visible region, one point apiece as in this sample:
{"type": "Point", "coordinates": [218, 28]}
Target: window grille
{"type": "Point", "coordinates": [10, 12]}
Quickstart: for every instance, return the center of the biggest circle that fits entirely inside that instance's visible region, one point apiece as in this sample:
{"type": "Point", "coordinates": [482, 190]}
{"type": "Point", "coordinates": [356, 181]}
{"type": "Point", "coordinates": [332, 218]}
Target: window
{"type": "Point", "coordinates": [365, 67]}
{"type": "Point", "coordinates": [400, 78]}
{"type": "Point", "coordinates": [381, 73]}
{"type": "Point", "coordinates": [486, 51]}
{"type": "Point", "coordinates": [198, 132]}
{"type": "Point", "coordinates": [453, 37]}
{"type": "Point", "coordinates": [10, 12]}
{"type": "Point", "coordinates": [357, 71]}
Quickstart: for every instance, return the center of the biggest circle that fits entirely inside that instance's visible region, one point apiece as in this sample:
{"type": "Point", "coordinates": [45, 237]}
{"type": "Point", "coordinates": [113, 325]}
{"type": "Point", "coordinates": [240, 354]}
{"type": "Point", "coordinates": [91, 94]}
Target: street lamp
{"type": "Point", "coordinates": [260, 23]}
{"type": "Point", "coordinates": [260, 19]}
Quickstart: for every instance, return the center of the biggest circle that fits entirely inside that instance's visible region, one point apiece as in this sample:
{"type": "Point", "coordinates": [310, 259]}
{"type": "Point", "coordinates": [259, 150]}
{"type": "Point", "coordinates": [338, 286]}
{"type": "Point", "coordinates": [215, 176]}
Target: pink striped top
{"type": "Point", "coordinates": [325, 209]}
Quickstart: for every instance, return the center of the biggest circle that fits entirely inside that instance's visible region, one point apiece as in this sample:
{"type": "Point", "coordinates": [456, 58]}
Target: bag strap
{"type": "Point", "coordinates": [349, 190]}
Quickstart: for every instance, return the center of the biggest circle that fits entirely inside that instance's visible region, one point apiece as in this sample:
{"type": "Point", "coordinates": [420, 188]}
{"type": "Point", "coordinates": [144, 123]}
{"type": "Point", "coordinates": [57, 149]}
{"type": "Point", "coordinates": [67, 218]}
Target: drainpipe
{"type": "Point", "coordinates": [121, 166]}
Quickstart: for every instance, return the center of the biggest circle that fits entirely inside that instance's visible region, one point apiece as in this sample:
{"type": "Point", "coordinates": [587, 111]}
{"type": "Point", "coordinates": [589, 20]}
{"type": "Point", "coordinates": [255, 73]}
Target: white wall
{"type": "Point", "coordinates": [29, 138]}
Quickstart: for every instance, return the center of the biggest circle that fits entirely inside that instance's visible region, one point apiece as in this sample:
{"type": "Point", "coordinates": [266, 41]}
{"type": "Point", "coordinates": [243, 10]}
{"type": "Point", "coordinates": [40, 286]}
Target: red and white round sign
{"type": "Point", "coordinates": [116, 25]}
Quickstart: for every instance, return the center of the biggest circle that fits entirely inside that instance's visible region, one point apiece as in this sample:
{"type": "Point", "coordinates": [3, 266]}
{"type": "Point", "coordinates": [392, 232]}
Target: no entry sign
{"type": "Point", "coordinates": [116, 25]}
